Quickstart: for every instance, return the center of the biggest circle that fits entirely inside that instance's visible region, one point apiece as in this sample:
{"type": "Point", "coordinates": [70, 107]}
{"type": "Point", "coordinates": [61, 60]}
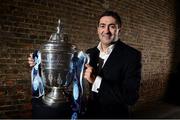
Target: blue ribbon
{"type": "Point", "coordinates": [75, 74]}
{"type": "Point", "coordinates": [36, 80]}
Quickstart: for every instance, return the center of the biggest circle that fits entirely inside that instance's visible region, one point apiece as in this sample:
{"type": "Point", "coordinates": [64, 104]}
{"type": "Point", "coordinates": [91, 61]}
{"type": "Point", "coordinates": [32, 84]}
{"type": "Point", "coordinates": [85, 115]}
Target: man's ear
{"type": "Point", "coordinates": [120, 29]}
{"type": "Point", "coordinates": [97, 30]}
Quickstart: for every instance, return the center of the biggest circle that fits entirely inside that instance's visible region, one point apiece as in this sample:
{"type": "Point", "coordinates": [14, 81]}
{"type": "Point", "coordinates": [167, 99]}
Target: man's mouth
{"type": "Point", "coordinates": [106, 36]}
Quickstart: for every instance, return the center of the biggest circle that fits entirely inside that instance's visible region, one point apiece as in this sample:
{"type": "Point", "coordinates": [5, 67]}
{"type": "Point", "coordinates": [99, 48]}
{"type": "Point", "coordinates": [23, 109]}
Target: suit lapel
{"type": "Point", "coordinates": [115, 55]}
{"type": "Point", "coordinates": [94, 58]}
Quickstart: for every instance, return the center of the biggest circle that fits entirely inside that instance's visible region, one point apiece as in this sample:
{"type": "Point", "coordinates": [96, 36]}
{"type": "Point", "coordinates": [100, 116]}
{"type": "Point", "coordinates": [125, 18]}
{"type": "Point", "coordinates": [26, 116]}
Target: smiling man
{"type": "Point", "coordinates": [114, 72]}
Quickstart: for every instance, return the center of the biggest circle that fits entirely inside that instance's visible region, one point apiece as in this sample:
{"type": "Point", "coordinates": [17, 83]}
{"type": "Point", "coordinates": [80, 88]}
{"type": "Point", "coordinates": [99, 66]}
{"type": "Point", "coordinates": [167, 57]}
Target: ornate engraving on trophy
{"type": "Point", "coordinates": [59, 80]}
{"type": "Point", "coordinates": [50, 78]}
{"type": "Point", "coordinates": [49, 57]}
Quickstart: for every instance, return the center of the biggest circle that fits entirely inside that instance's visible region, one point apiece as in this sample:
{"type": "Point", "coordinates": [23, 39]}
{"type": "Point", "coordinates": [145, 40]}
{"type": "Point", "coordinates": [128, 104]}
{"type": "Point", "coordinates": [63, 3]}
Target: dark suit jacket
{"type": "Point", "coordinates": [119, 88]}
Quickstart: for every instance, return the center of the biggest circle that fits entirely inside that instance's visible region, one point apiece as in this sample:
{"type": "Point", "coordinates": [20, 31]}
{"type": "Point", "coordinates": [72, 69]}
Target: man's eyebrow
{"type": "Point", "coordinates": [101, 23]}
{"type": "Point", "coordinates": [108, 24]}
{"type": "Point", "coordinates": [112, 24]}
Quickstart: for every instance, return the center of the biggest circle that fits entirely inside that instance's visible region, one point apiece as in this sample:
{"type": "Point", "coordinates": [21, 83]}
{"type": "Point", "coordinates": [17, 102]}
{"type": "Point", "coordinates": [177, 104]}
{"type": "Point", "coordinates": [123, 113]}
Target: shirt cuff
{"type": "Point", "coordinates": [96, 84]}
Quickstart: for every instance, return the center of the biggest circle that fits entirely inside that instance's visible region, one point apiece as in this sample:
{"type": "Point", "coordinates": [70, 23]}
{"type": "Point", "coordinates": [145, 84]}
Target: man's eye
{"type": "Point", "coordinates": [112, 26]}
{"type": "Point", "coordinates": [101, 26]}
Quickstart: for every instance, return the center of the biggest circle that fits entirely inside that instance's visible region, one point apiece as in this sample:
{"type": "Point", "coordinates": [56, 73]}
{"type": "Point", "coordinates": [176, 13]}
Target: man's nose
{"type": "Point", "coordinates": [106, 30]}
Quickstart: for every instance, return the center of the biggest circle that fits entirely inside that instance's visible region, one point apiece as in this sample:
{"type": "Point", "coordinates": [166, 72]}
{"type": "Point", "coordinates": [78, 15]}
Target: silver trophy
{"type": "Point", "coordinates": [55, 58]}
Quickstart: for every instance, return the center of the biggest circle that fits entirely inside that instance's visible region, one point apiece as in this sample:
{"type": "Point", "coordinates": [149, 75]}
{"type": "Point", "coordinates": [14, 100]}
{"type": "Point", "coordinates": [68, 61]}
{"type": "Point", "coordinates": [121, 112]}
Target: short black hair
{"type": "Point", "coordinates": [113, 14]}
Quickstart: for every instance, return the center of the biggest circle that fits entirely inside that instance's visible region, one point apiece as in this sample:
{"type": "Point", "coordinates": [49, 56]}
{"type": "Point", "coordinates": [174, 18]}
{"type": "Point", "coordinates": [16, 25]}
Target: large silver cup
{"type": "Point", "coordinates": [55, 55]}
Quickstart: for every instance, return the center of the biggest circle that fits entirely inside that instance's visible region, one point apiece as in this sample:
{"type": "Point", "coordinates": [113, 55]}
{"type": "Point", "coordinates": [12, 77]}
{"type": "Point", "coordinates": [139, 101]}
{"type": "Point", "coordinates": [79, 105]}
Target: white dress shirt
{"type": "Point", "coordinates": [103, 55]}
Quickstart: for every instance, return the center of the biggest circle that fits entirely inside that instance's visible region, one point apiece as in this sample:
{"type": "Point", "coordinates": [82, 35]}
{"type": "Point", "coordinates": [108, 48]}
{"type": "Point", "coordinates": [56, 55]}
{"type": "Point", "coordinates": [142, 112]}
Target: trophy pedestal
{"type": "Point", "coordinates": [40, 110]}
{"type": "Point", "coordinates": [55, 97]}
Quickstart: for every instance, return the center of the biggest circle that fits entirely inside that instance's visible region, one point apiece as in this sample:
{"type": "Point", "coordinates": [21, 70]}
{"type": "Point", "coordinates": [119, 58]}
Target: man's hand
{"type": "Point", "coordinates": [88, 75]}
{"type": "Point", "coordinates": [31, 60]}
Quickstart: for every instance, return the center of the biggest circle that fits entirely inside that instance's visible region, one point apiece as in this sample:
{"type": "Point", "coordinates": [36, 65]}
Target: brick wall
{"type": "Point", "coordinates": [148, 25]}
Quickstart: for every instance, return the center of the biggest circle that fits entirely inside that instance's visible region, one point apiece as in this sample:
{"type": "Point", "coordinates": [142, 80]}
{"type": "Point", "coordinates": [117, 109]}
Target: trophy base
{"type": "Point", "coordinates": [55, 97]}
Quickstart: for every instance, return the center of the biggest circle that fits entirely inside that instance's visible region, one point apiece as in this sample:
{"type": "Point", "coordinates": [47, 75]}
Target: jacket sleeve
{"type": "Point", "coordinates": [131, 83]}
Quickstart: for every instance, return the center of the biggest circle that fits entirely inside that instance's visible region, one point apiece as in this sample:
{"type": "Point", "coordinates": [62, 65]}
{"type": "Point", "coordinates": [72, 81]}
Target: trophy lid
{"type": "Point", "coordinates": [59, 35]}
{"type": "Point", "coordinates": [58, 41]}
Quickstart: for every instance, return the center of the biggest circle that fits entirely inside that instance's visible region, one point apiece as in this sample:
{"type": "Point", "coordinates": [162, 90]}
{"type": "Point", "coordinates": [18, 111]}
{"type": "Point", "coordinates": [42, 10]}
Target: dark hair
{"type": "Point", "coordinates": [112, 14]}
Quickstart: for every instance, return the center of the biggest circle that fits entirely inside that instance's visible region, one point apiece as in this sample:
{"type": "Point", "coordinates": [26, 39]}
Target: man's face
{"type": "Point", "coordinates": [108, 30]}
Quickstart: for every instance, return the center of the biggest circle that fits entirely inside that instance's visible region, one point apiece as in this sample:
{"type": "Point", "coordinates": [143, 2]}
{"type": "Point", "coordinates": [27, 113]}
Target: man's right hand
{"type": "Point", "coordinates": [88, 74]}
{"type": "Point", "coordinates": [31, 60]}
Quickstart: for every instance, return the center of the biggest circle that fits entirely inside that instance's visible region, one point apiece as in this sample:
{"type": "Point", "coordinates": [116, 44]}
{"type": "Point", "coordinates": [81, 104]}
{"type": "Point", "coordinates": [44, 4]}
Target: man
{"type": "Point", "coordinates": [115, 84]}
{"type": "Point", "coordinates": [114, 72]}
